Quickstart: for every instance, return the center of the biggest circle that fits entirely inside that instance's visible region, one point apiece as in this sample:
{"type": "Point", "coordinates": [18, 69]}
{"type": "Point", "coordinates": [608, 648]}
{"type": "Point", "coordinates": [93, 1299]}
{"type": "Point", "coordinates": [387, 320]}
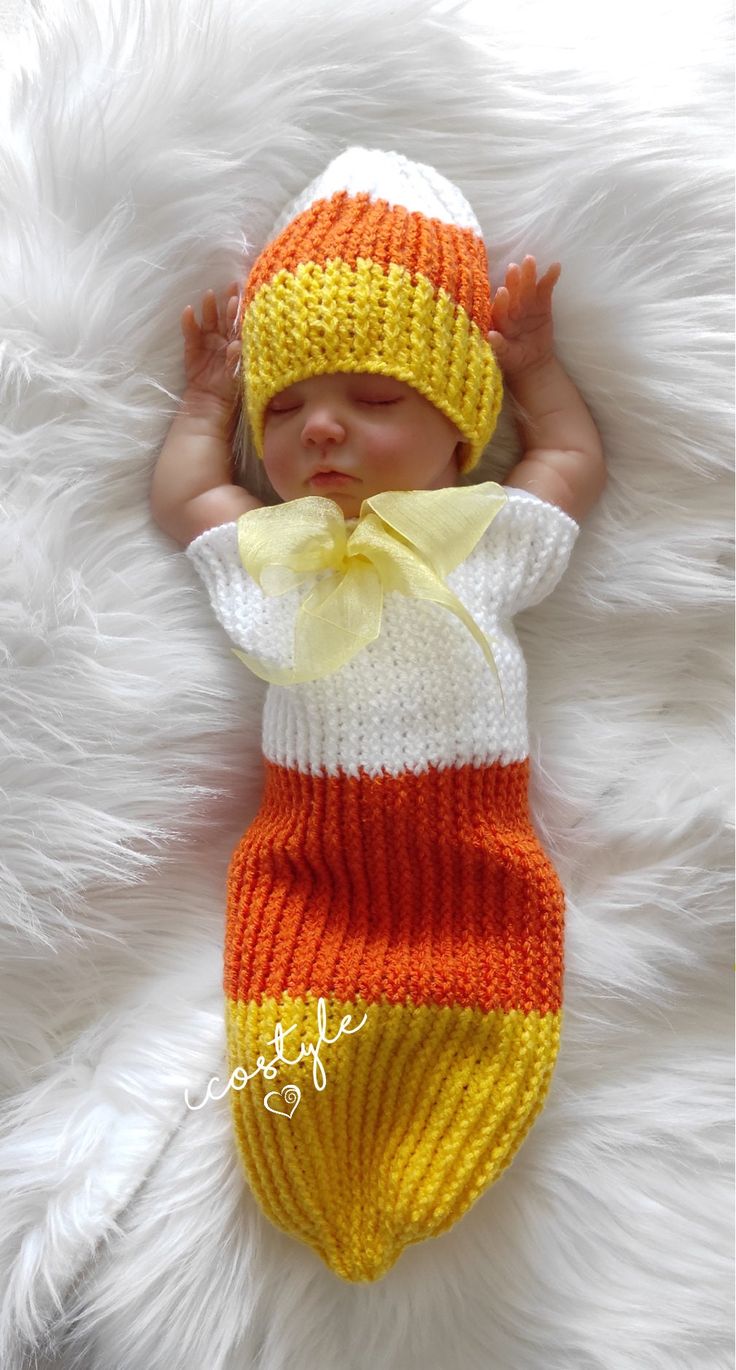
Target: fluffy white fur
{"type": "Point", "coordinates": [144, 148]}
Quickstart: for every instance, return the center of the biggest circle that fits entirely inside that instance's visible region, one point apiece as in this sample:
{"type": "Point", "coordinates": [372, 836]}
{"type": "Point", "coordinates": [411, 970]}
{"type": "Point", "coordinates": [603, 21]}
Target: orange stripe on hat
{"type": "Point", "coordinates": [352, 226]}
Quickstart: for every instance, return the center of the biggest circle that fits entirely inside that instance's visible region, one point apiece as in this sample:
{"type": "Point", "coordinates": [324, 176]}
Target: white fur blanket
{"type": "Point", "coordinates": [144, 147]}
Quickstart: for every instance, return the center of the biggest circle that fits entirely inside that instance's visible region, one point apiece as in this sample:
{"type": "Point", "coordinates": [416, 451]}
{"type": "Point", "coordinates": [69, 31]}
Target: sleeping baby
{"type": "Point", "coordinates": [392, 917]}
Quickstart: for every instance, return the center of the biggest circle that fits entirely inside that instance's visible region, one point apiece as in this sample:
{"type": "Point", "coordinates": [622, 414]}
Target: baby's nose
{"type": "Point", "coordinates": [321, 424]}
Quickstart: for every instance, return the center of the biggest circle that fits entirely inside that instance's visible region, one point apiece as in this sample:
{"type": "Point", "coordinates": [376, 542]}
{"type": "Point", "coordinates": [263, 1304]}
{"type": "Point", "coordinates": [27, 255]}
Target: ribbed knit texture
{"type": "Point", "coordinates": [393, 872]}
{"type": "Point", "coordinates": [381, 269]}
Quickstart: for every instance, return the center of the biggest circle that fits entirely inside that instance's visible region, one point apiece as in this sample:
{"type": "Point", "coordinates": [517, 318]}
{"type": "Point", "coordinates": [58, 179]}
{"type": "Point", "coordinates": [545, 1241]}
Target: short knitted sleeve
{"type": "Point", "coordinates": [530, 543]}
{"type": "Point", "coordinates": [255, 622]}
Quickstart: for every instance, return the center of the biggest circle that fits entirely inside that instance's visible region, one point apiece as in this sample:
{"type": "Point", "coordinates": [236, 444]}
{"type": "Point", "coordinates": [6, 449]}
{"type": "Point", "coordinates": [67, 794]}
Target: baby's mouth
{"type": "Point", "coordinates": [330, 478]}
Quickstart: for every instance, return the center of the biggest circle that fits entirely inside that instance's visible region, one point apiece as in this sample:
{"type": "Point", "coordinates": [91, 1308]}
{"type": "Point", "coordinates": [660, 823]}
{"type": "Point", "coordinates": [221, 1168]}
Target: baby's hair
{"type": "Point", "coordinates": [248, 471]}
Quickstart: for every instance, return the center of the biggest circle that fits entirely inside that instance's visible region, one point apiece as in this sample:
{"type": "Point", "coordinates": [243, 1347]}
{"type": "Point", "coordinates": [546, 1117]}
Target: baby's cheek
{"type": "Point", "coordinates": [280, 472]}
{"type": "Point", "coordinates": [275, 455]}
{"type": "Point", "coordinates": [393, 446]}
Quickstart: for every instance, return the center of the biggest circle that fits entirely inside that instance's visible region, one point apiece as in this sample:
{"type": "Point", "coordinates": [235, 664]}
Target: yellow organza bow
{"type": "Point", "coordinates": [405, 540]}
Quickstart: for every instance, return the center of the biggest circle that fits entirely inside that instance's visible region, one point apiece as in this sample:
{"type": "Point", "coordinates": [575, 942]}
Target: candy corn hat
{"type": "Point", "coordinates": [378, 266]}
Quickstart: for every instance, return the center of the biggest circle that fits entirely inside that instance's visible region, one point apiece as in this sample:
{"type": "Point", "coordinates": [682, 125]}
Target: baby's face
{"type": "Point", "coordinates": [377, 431]}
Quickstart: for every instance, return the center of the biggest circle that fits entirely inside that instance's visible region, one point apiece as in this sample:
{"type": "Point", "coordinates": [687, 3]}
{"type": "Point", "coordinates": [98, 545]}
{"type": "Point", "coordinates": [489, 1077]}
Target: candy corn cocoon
{"type": "Point", "coordinates": [394, 929]}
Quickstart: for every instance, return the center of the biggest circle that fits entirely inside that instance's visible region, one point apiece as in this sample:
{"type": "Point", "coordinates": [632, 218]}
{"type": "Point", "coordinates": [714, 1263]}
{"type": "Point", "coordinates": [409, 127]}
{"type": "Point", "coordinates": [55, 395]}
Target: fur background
{"type": "Point", "coordinates": [145, 149]}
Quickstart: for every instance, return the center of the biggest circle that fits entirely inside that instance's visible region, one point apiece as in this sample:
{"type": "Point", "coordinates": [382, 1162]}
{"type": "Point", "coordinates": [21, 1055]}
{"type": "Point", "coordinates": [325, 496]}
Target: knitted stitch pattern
{"type": "Point", "coordinates": [393, 872]}
{"type": "Point", "coordinates": [393, 283]}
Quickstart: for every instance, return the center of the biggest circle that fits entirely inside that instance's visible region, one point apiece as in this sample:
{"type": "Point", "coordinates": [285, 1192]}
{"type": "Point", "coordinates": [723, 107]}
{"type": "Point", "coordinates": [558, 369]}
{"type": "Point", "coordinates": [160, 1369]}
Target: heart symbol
{"type": "Point", "coordinates": [289, 1092]}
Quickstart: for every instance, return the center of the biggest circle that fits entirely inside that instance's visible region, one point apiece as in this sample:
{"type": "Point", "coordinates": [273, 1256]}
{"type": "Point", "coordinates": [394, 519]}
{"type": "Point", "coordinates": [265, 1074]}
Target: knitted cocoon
{"type": "Point", "coordinates": [393, 877]}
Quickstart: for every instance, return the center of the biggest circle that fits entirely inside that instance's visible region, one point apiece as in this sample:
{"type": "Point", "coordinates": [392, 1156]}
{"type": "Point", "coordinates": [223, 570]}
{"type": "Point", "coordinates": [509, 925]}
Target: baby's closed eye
{"type": "Point", "coordinates": [291, 408]}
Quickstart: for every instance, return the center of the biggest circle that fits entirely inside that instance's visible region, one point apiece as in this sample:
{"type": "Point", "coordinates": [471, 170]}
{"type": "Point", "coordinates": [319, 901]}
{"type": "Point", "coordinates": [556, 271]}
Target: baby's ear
{"type": "Point", "coordinates": [461, 452]}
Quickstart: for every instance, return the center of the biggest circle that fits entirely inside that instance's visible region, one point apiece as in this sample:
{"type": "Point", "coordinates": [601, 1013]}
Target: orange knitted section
{"type": "Point", "coordinates": [427, 888]}
{"type": "Point", "coordinates": [352, 226]}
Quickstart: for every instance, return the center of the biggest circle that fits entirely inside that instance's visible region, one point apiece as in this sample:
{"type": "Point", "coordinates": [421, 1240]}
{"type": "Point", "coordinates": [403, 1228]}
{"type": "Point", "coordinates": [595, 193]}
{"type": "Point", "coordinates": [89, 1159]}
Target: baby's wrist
{"type": "Point", "coordinates": [543, 365]}
{"type": "Point", "coordinates": [204, 404]}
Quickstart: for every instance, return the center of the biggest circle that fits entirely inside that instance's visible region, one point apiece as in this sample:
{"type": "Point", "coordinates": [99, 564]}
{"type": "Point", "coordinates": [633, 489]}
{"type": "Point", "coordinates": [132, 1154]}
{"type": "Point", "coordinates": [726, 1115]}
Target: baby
{"type": "Point", "coordinates": [391, 907]}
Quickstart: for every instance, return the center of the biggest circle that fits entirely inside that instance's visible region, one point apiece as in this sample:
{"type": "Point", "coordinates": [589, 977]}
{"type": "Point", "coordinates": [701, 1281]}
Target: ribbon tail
{"type": "Point", "coordinates": [275, 675]}
{"type": "Point", "coordinates": [481, 639]}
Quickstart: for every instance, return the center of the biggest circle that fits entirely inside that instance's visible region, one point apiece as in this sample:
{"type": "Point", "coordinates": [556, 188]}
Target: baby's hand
{"type": "Point", "coordinates": [211, 351]}
{"type": "Point", "coordinates": [522, 335]}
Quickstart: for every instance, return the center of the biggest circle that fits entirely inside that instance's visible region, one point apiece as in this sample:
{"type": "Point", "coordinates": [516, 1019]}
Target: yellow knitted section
{"type": "Point", "coordinates": [321, 319]}
{"type": "Point", "coordinates": [421, 1109]}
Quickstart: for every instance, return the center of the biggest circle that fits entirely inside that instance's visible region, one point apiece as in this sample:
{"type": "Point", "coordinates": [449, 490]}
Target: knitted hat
{"type": "Point", "coordinates": [378, 266]}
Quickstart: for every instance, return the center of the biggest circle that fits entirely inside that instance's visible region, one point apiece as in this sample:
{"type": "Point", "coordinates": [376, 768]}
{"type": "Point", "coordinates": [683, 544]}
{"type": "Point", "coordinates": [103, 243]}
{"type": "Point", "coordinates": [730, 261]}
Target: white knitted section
{"type": "Point", "coordinates": [422, 694]}
{"type": "Point", "coordinates": [387, 176]}
{"type": "Point", "coordinates": [524, 553]}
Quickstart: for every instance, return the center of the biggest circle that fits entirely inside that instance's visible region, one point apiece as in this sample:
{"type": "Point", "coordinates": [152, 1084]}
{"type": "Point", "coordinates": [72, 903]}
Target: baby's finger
{"type": "Point", "coordinates": [498, 343]}
{"type": "Point", "coordinates": [189, 325]}
{"type": "Point", "coordinates": [231, 312]}
{"type": "Point", "coordinates": [528, 283]}
{"type": "Point", "coordinates": [512, 282]}
{"type": "Point", "coordinates": [548, 283]}
{"type": "Point", "coordinates": [209, 311]}
{"type": "Point", "coordinates": [500, 308]}
{"type": "Point", "coordinates": [231, 292]}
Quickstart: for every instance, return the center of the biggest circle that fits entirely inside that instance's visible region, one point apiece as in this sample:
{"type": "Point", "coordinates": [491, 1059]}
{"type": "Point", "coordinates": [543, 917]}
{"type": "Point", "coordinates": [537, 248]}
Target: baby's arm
{"type": "Point", "coordinates": [192, 487]}
{"type": "Point", "coordinates": [563, 460]}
